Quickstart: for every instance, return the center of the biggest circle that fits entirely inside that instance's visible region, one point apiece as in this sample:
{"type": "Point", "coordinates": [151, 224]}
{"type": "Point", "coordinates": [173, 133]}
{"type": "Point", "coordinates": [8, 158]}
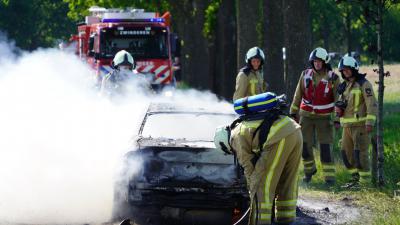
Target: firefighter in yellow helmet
{"type": "Point", "coordinates": [357, 109]}
{"type": "Point", "coordinates": [250, 79]}
{"type": "Point", "coordinates": [313, 102]}
{"type": "Point", "coordinates": [268, 146]}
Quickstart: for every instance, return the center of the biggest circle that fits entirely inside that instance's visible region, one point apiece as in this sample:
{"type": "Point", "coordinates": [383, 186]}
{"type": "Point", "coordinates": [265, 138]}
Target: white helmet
{"type": "Point", "coordinates": [255, 52]}
{"type": "Point", "coordinates": [348, 61]}
{"type": "Point", "coordinates": [319, 53]}
{"type": "Point", "coordinates": [123, 58]}
{"type": "Point", "coordinates": [221, 139]}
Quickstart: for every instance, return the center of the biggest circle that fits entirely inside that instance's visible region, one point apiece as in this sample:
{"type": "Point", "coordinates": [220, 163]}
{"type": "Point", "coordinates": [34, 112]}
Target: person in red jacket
{"type": "Point", "coordinates": [313, 107]}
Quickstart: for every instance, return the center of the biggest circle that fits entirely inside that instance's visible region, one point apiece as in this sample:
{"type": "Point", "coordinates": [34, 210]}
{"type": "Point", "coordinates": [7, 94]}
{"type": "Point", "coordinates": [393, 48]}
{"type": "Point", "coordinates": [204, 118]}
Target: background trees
{"type": "Point", "coordinates": [35, 23]}
{"type": "Point", "coordinates": [215, 34]}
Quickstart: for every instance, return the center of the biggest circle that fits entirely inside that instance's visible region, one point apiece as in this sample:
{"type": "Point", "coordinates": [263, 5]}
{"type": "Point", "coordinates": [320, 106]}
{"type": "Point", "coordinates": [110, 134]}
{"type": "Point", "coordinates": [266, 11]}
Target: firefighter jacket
{"type": "Point", "coordinates": [316, 94]}
{"type": "Point", "coordinates": [270, 167]}
{"type": "Point", "coordinates": [246, 143]}
{"type": "Point", "coordinates": [361, 106]}
{"type": "Point", "coordinates": [112, 83]}
{"type": "Point", "coordinates": [248, 84]}
{"type": "Point", "coordinates": [118, 83]}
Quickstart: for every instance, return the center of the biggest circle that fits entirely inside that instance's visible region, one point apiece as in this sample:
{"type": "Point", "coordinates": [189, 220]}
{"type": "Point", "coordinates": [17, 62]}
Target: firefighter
{"type": "Point", "coordinates": [120, 80]}
{"type": "Point", "coordinates": [176, 68]}
{"type": "Point", "coordinates": [250, 79]}
{"type": "Point", "coordinates": [357, 109]}
{"type": "Point", "coordinates": [313, 104]}
{"type": "Point", "coordinates": [269, 150]}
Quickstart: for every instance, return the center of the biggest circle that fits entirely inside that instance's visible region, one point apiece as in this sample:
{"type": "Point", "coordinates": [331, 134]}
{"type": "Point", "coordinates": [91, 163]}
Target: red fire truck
{"type": "Point", "coordinates": [146, 35]}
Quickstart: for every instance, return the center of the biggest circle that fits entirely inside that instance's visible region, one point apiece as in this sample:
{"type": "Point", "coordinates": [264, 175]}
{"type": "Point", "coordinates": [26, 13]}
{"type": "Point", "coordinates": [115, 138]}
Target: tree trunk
{"type": "Point", "coordinates": [326, 33]}
{"type": "Point", "coordinates": [348, 30]}
{"type": "Point", "coordinates": [381, 89]}
{"type": "Point", "coordinates": [225, 50]}
{"type": "Point", "coordinates": [247, 18]}
{"type": "Point", "coordinates": [195, 54]}
{"type": "Point", "coordinates": [273, 43]}
{"type": "Point", "coordinates": [297, 40]}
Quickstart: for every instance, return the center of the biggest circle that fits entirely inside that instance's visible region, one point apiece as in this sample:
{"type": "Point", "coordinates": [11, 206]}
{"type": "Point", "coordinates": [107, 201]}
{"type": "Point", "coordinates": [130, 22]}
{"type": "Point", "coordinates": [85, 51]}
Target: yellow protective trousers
{"type": "Point", "coordinates": [323, 128]}
{"type": "Point", "coordinates": [275, 180]}
{"type": "Point", "coordinates": [355, 143]}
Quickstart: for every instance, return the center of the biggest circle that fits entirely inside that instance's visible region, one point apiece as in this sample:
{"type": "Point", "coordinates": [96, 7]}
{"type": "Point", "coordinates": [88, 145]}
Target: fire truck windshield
{"type": "Point", "coordinates": [141, 42]}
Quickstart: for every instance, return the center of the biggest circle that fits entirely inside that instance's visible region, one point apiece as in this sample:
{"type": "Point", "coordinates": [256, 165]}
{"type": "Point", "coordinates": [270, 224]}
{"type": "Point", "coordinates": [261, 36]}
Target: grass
{"type": "Point", "coordinates": [183, 85]}
{"type": "Point", "coordinates": [384, 207]}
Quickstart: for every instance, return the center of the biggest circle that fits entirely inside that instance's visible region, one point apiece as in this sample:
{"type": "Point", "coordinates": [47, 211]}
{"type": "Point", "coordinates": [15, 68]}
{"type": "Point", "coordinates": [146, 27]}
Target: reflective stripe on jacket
{"type": "Point", "coordinates": [248, 85]}
{"type": "Point", "coordinates": [361, 104]}
{"type": "Point", "coordinates": [317, 98]}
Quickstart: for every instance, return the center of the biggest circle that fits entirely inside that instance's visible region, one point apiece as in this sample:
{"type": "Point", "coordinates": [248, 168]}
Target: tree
{"type": "Point", "coordinates": [297, 40]}
{"type": "Point", "coordinates": [392, 33]}
{"type": "Point", "coordinates": [326, 24]}
{"type": "Point", "coordinates": [34, 24]}
{"type": "Point", "coordinates": [273, 44]}
{"type": "Point", "coordinates": [247, 18]}
{"type": "Point", "coordinates": [374, 11]}
{"type": "Point", "coordinates": [379, 23]}
{"type": "Point", "coordinates": [225, 58]}
{"type": "Point", "coordinates": [79, 9]}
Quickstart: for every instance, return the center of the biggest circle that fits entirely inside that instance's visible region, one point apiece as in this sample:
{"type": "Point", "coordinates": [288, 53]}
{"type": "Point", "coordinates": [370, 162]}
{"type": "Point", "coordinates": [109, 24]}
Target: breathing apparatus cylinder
{"type": "Point", "coordinates": [255, 103]}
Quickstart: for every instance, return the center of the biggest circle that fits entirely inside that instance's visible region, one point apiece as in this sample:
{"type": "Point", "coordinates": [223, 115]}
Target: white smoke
{"type": "Point", "coordinates": [8, 50]}
{"type": "Point", "coordinates": [60, 142]}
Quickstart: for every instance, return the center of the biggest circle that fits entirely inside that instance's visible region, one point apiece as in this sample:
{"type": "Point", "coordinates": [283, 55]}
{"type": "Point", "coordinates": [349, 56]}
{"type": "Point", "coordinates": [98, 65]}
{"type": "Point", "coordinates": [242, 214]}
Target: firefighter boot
{"type": "Point", "coordinates": [308, 176]}
{"type": "Point", "coordinates": [354, 183]}
{"type": "Point", "coordinates": [309, 164]}
{"type": "Point", "coordinates": [328, 166]}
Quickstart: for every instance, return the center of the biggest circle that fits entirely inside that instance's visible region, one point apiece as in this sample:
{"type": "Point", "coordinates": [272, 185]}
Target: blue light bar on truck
{"type": "Point", "coordinates": [151, 20]}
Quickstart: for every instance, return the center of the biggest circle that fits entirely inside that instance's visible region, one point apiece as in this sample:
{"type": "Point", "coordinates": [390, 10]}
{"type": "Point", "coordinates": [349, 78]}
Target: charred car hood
{"type": "Point", "coordinates": [182, 164]}
{"type": "Point", "coordinates": [165, 142]}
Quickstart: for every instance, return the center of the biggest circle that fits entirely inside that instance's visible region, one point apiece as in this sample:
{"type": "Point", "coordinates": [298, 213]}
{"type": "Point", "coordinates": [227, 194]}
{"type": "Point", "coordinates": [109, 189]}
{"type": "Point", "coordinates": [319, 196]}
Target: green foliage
{"type": "Point", "coordinates": [183, 86]}
{"type": "Point", "coordinates": [79, 9]}
{"type": "Point", "coordinates": [326, 21]}
{"type": "Point", "coordinates": [330, 29]}
{"type": "Point", "coordinates": [34, 23]}
{"type": "Point", "coordinates": [211, 18]}
{"type": "Point", "coordinates": [392, 149]}
{"type": "Point", "coordinates": [391, 34]}
{"type": "Point", "coordinates": [384, 209]}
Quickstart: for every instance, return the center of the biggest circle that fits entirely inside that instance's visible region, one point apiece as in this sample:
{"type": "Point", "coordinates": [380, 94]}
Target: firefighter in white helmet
{"type": "Point", "coordinates": [313, 102]}
{"type": "Point", "coordinates": [268, 147]}
{"type": "Point", "coordinates": [250, 79]}
{"type": "Point", "coordinates": [357, 109]}
{"type": "Point", "coordinates": [117, 82]}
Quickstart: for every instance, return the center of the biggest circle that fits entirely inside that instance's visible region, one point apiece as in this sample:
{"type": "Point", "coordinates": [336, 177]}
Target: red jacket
{"type": "Point", "coordinates": [319, 99]}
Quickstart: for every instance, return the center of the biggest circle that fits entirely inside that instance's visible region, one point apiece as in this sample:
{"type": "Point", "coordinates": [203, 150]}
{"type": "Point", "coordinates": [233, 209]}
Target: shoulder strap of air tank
{"type": "Point", "coordinates": [264, 127]}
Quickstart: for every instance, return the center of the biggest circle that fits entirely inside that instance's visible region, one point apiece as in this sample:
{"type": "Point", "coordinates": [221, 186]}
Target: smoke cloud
{"type": "Point", "coordinates": [60, 141]}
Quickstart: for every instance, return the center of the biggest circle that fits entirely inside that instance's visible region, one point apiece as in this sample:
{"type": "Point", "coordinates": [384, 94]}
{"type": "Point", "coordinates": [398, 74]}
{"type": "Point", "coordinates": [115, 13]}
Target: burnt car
{"type": "Point", "coordinates": [175, 175]}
